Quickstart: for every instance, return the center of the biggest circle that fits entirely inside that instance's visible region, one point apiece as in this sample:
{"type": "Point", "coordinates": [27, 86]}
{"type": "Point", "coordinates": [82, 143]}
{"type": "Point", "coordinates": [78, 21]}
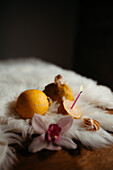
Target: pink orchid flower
{"type": "Point", "coordinates": [51, 137]}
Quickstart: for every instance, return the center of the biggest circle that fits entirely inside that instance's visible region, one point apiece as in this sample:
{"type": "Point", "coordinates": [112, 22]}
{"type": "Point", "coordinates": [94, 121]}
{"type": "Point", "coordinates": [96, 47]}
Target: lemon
{"type": "Point", "coordinates": [59, 89]}
{"type": "Point", "coordinates": [30, 102]}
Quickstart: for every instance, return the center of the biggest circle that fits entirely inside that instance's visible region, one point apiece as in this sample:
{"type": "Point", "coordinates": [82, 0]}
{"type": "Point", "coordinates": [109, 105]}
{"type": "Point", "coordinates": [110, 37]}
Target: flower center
{"type": "Point", "coordinates": [53, 133]}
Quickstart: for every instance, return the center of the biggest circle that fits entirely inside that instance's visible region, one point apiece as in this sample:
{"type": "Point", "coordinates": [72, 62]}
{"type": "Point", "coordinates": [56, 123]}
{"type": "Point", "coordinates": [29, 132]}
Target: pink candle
{"type": "Point", "coordinates": [77, 98]}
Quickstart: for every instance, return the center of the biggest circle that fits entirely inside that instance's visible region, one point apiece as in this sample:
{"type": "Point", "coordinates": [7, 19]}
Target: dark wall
{"type": "Point", "coordinates": [94, 51]}
{"type": "Point", "coordinates": [42, 29]}
{"type": "Point", "coordinates": [75, 35]}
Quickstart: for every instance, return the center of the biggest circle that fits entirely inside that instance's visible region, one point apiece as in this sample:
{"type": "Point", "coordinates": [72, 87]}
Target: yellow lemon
{"type": "Point", "coordinates": [30, 102]}
{"type": "Point", "coordinates": [59, 89]}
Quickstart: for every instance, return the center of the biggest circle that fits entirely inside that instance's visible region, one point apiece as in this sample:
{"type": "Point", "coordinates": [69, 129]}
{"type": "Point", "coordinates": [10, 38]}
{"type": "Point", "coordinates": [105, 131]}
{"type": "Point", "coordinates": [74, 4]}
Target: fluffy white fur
{"type": "Point", "coordinates": [19, 75]}
{"type": "Point", "coordinates": [7, 156]}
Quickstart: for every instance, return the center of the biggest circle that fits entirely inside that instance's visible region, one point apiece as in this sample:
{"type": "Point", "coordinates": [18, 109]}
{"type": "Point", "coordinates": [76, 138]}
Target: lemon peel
{"type": "Point", "coordinates": [59, 90]}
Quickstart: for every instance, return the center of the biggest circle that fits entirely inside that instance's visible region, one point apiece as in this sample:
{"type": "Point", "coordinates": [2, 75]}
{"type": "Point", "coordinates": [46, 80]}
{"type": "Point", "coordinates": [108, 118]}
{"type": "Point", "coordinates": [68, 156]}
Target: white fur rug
{"type": "Point", "coordinates": [19, 75]}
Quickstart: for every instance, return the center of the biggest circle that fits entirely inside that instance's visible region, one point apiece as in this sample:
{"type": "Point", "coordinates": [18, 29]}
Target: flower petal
{"type": "Point", "coordinates": [39, 124]}
{"type": "Point", "coordinates": [53, 147]}
{"type": "Point", "coordinates": [38, 144]}
{"type": "Point", "coordinates": [65, 123]}
{"type": "Point", "coordinates": [67, 143]}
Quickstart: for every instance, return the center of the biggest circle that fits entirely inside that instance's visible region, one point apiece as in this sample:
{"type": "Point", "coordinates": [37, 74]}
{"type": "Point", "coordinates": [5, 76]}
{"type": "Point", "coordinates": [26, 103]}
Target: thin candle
{"type": "Point", "coordinates": [77, 97]}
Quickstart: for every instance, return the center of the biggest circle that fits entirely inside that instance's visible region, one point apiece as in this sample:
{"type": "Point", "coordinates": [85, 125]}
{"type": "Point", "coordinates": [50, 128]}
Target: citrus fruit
{"type": "Point", "coordinates": [65, 108]}
{"type": "Point", "coordinates": [59, 89]}
{"type": "Point", "coordinates": [30, 102]}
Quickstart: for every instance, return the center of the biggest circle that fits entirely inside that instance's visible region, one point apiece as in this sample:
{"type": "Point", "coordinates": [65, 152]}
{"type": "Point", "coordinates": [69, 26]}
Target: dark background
{"type": "Point", "coordinates": [74, 35]}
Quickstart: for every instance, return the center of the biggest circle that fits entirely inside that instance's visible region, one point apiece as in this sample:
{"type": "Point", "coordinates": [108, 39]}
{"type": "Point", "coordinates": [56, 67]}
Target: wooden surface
{"type": "Point", "coordinates": [80, 159]}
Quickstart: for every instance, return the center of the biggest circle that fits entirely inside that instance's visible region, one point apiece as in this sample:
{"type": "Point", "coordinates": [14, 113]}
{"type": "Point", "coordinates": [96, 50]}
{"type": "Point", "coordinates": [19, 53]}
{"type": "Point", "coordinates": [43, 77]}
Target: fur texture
{"type": "Point", "coordinates": [19, 75]}
{"type": "Point", "coordinates": [7, 156]}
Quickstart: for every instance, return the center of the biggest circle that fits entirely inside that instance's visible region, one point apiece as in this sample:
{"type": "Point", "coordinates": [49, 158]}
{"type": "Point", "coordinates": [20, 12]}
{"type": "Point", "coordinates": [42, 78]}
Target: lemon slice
{"type": "Point", "coordinates": [74, 112]}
